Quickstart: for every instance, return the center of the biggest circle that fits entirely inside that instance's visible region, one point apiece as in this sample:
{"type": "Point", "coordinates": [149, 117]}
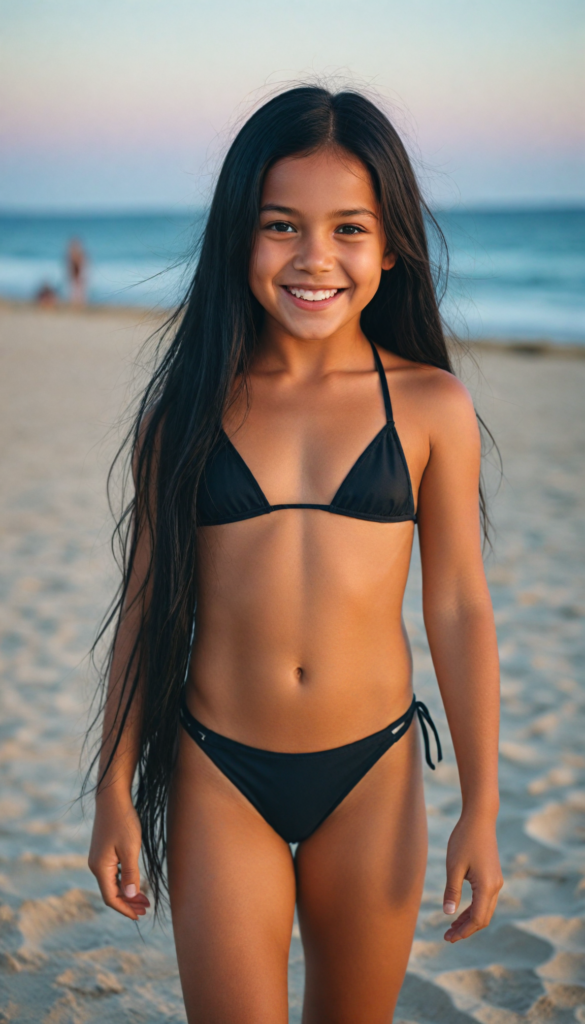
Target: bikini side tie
{"type": "Point", "coordinates": [424, 717]}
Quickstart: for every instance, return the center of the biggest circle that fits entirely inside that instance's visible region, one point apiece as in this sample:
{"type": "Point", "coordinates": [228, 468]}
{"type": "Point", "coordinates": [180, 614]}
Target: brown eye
{"type": "Point", "coordinates": [281, 226]}
{"type": "Point", "coordinates": [349, 229]}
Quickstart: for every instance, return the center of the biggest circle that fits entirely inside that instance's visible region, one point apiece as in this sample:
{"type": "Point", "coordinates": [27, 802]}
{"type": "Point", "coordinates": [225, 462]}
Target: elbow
{"type": "Point", "coordinates": [462, 608]}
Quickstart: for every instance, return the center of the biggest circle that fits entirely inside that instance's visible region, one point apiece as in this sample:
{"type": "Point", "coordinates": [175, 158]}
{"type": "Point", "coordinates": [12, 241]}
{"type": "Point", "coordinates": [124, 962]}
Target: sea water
{"type": "Point", "coordinates": [517, 274]}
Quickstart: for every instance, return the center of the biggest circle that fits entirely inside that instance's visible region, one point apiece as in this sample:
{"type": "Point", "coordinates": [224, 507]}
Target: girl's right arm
{"type": "Point", "coordinates": [116, 837]}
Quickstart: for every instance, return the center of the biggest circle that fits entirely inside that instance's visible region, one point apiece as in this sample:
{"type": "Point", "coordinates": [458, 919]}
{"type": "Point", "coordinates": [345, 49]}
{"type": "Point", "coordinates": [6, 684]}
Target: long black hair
{"type": "Point", "coordinates": [206, 347]}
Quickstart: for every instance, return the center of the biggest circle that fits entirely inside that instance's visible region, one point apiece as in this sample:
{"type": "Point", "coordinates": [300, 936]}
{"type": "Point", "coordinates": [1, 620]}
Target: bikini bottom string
{"type": "Point", "coordinates": [424, 717]}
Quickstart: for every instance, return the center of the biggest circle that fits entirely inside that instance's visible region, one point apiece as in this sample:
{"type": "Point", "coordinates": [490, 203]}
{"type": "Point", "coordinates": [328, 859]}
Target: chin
{"type": "Point", "coordinates": [317, 330]}
{"type": "Point", "coordinates": [313, 333]}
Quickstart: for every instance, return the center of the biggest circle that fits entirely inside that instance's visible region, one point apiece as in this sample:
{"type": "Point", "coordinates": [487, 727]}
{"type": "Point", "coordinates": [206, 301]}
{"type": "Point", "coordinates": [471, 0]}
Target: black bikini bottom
{"type": "Point", "coordinates": [294, 793]}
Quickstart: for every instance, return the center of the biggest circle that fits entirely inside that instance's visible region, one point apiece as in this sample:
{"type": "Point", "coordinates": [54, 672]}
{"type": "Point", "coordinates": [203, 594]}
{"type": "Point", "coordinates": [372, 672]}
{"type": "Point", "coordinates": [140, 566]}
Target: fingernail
{"type": "Point", "coordinates": [130, 890]}
{"type": "Point", "coordinates": [449, 907]}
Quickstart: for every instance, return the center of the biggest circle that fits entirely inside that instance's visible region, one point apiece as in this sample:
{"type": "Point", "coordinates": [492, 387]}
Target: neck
{"type": "Point", "coordinates": [347, 348]}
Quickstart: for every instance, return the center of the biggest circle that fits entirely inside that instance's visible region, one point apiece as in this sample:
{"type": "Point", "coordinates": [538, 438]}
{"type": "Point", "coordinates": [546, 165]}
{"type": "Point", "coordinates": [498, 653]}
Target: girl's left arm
{"type": "Point", "coordinates": [460, 627]}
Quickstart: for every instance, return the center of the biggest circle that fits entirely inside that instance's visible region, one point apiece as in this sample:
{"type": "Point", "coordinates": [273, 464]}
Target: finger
{"type": "Point", "coordinates": [481, 899]}
{"type": "Point", "coordinates": [475, 917]}
{"type": "Point", "coordinates": [107, 879]}
{"type": "Point", "coordinates": [483, 903]}
{"type": "Point", "coordinates": [130, 881]}
{"type": "Point", "coordinates": [141, 899]}
{"type": "Point", "coordinates": [453, 933]}
{"type": "Point", "coordinates": [139, 903]}
{"type": "Point", "coordinates": [492, 909]}
{"type": "Point", "coordinates": [452, 895]}
{"type": "Point", "coordinates": [129, 872]}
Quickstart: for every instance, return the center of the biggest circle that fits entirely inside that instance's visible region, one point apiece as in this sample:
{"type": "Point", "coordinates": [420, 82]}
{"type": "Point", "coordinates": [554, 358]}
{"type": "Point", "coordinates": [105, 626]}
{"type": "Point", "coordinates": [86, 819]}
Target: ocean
{"type": "Point", "coordinates": [515, 274]}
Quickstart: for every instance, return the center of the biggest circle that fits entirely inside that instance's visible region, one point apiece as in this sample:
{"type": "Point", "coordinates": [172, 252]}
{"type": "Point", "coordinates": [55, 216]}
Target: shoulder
{"type": "Point", "coordinates": [437, 396]}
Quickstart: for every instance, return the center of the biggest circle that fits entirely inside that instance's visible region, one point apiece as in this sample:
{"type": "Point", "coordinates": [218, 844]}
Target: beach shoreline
{"type": "Point", "coordinates": [157, 315]}
{"type": "Point", "coordinates": [67, 377]}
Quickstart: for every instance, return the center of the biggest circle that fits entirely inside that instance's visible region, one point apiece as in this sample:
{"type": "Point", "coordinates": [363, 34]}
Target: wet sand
{"type": "Point", "coordinates": [65, 958]}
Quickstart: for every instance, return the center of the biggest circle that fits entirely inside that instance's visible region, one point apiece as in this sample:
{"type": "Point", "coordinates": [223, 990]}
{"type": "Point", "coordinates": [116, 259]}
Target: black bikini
{"type": "Point", "coordinates": [377, 486]}
{"type": "Point", "coordinates": [296, 792]}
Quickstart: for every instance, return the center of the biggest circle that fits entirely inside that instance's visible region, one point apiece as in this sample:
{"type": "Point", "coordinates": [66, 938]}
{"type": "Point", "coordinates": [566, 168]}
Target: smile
{"type": "Point", "coordinates": [312, 296]}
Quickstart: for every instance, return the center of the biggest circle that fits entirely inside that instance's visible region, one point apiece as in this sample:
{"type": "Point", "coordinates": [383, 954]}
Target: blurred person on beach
{"type": "Point", "coordinates": [302, 417]}
{"type": "Point", "coordinates": [46, 296]}
{"type": "Point", "coordinates": [77, 273]}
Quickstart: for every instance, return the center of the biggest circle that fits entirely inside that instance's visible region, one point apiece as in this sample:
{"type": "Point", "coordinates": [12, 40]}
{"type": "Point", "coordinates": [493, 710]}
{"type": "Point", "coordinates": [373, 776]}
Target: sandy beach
{"type": "Point", "coordinates": [64, 957]}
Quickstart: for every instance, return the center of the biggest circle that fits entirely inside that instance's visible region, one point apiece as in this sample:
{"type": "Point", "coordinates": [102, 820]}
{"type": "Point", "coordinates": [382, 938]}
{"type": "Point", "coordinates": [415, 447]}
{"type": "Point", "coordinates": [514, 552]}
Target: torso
{"type": "Point", "coordinates": [300, 643]}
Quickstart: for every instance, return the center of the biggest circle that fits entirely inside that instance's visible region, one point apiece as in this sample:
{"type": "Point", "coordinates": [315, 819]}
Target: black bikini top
{"type": "Point", "coordinates": [377, 486]}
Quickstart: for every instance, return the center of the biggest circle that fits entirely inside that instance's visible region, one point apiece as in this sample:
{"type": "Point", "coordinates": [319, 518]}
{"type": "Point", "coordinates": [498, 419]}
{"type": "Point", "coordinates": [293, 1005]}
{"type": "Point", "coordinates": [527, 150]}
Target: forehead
{"type": "Point", "coordinates": [331, 178]}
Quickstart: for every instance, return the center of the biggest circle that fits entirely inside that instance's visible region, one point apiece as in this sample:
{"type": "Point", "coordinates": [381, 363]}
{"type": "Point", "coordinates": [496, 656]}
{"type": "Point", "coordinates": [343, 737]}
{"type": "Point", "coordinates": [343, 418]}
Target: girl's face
{"type": "Point", "coordinates": [320, 247]}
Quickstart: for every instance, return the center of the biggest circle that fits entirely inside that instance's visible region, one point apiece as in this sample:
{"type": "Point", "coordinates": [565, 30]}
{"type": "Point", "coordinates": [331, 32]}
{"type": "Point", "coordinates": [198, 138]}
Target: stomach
{"type": "Point", "coordinates": [300, 643]}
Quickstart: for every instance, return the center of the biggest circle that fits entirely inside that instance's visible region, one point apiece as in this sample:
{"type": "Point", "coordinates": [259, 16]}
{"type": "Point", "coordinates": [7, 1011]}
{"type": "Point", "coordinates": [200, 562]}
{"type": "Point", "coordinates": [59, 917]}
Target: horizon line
{"type": "Point", "coordinates": [483, 206]}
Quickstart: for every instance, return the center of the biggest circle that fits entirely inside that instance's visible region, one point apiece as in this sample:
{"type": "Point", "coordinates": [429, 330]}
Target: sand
{"type": "Point", "coordinates": [65, 958]}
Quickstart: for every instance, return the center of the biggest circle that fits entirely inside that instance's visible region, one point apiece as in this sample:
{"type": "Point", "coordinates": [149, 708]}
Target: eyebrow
{"type": "Point", "coordinates": [354, 213]}
{"type": "Point", "coordinates": [275, 208]}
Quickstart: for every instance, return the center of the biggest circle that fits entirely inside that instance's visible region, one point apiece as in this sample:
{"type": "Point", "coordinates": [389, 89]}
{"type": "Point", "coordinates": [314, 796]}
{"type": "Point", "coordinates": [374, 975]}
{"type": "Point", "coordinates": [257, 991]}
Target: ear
{"type": "Point", "coordinates": [389, 260]}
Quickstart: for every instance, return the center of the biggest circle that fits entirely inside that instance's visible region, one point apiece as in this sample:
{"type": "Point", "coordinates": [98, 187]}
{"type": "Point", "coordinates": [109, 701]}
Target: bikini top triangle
{"type": "Point", "coordinates": [377, 487]}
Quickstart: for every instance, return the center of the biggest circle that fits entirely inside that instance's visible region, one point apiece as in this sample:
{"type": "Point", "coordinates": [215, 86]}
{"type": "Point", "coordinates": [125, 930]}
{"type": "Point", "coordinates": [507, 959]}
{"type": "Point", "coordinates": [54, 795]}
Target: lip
{"type": "Point", "coordinates": [307, 303]}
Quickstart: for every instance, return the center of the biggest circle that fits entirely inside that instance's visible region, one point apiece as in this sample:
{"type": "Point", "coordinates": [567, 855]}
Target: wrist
{"type": "Point", "coordinates": [114, 793]}
{"type": "Point", "coordinates": [485, 807]}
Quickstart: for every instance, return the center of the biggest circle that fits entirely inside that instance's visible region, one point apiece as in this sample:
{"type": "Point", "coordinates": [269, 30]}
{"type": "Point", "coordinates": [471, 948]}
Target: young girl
{"type": "Point", "coordinates": [303, 418]}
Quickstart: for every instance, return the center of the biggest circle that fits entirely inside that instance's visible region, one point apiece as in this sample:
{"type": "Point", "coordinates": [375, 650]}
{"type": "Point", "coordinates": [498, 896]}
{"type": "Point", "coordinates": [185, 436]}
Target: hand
{"type": "Point", "coordinates": [113, 855]}
{"type": "Point", "coordinates": [472, 853]}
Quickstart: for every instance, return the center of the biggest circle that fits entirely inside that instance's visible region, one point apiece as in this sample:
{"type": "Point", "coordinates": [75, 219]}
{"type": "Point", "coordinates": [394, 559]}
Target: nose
{"type": "Point", "coordinates": [314, 254]}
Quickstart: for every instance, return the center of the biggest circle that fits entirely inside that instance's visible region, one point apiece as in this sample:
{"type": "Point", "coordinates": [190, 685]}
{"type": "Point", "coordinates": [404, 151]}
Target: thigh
{"type": "Point", "coordinates": [360, 879]}
{"type": "Point", "coordinates": [232, 892]}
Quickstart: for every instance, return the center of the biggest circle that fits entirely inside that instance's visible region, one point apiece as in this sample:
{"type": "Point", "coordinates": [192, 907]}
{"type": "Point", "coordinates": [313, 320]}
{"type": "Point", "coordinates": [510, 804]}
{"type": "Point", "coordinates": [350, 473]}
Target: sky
{"type": "Point", "coordinates": [130, 104]}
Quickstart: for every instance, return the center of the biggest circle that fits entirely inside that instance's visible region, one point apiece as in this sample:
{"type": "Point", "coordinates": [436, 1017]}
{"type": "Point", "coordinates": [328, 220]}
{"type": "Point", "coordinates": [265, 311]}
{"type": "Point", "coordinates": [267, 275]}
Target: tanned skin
{"type": "Point", "coordinates": [301, 646]}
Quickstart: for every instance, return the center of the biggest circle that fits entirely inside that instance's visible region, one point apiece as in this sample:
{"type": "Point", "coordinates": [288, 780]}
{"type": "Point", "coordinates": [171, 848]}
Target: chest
{"type": "Point", "coordinates": [301, 443]}
{"type": "Point", "coordinates": [312, 449]}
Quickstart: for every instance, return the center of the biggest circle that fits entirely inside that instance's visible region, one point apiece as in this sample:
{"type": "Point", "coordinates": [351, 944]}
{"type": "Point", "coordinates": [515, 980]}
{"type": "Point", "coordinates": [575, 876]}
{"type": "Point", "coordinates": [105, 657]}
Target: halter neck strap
{"type": "Point", "coordinates": [383, 384]}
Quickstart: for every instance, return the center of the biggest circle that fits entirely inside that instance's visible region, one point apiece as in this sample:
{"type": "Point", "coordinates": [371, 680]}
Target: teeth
{"type": "Point", "coordinates": [302, 293]}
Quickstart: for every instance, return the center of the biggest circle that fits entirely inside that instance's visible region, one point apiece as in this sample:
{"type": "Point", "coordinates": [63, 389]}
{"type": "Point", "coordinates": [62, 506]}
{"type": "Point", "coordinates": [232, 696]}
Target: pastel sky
{"type": "Point", "coordinates": [130, 103]}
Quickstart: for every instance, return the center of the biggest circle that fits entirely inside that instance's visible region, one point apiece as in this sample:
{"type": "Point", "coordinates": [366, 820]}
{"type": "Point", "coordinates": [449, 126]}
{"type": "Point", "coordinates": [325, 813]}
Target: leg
{"type": "Point", "coordinates": [232, 890]}
{"type": "Point", "coordinates": [360, 880]}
